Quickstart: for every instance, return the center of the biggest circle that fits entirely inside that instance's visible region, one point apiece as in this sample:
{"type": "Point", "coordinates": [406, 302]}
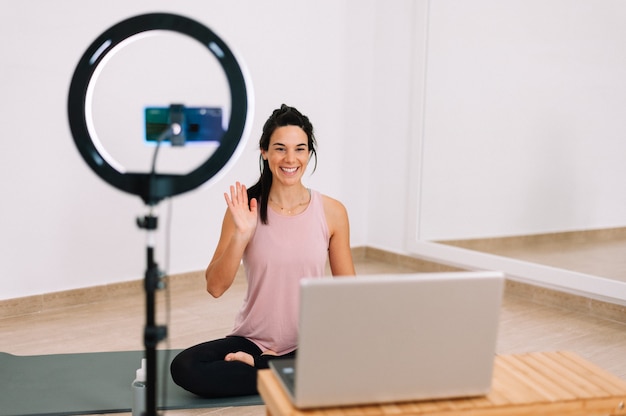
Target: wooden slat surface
{"type": "Point", "coordinates": [543, 383]}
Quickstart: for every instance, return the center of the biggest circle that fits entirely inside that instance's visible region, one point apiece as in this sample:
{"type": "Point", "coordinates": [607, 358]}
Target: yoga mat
{"type": "Point", "coordinates": [89, 383]}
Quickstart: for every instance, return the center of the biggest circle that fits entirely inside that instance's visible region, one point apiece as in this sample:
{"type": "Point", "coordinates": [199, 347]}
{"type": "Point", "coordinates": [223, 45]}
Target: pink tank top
{"type": "Point", "coordinates": [281, 252]}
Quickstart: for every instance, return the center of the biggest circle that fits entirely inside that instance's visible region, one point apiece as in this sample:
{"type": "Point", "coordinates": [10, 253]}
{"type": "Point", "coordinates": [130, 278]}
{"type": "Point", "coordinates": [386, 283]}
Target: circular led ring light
{"type": "Point", "coordinates": [154, 187]}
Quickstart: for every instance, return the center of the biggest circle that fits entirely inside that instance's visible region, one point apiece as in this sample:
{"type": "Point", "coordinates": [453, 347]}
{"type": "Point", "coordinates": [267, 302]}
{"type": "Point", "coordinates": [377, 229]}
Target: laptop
{"type": "Point", "coordinates": [392, 338]}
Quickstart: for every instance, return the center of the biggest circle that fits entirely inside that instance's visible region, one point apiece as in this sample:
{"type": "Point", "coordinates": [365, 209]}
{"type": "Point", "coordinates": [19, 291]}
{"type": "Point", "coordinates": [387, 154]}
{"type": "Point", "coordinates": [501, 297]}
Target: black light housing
{"type": "Point", "coordinates": [153, 187]}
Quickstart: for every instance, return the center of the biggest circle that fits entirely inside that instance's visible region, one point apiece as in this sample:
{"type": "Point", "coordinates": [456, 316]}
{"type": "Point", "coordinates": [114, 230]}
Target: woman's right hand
{"type": "Point", "coordinates": [244, 216]}
{"type": "Point", "coordinates": [237, 230]}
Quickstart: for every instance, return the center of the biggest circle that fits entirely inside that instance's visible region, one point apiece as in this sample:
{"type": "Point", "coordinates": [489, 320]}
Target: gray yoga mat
{"type": "Point", "coordinates": [89, 383]}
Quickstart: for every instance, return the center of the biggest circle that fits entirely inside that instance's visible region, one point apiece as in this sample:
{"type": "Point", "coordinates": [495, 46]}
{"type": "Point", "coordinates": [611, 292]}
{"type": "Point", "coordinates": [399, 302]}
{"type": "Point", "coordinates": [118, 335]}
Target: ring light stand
{"type": "Point", "coordinates": [152, 187]}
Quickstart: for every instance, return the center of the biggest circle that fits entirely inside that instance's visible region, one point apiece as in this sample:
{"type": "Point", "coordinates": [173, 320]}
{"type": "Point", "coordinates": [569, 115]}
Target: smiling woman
{"type": "Point", "coordinates": [287, 156]}
{"type": "Point", "coordinates": [287, 144]}
{"type": "Point", "coordinates": [283, 232]}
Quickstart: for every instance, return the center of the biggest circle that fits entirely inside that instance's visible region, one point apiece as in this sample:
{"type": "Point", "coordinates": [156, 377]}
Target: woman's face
{"type": "Point", "coordinates": [287, 154]}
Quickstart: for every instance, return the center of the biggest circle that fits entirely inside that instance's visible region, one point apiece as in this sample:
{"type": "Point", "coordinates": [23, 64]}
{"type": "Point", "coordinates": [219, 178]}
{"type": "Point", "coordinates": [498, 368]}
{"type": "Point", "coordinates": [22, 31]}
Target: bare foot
{"type": "Point", "coordinates": [244, 357]}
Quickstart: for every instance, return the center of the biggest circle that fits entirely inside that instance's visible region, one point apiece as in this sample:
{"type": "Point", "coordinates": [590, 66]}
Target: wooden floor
{"type": "Point", "coordinates": [117, 324]}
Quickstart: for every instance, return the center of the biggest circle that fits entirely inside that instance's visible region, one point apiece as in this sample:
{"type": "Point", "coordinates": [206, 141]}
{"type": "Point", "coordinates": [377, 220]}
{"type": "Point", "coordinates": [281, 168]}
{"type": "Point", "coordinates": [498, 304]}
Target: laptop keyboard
{"type": "Point", "coordinates": [289, 375]}
{"type": "Point", "coordinates": [285, 368]}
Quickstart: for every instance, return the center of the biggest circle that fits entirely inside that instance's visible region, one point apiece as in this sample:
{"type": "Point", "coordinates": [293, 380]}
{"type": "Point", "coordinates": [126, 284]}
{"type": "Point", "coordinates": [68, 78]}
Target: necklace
{"type": "Point", "coordinates": [290, 210]}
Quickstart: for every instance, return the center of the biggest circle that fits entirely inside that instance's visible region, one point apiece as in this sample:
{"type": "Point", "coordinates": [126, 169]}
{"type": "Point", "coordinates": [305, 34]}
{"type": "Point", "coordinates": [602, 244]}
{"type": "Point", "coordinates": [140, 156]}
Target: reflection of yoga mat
{"type": "Point", "coordinates": [66, 384]}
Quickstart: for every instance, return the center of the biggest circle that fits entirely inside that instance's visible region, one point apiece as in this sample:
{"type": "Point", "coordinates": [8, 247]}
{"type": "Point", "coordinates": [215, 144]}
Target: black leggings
{"type": "Point", "coordinates": [202, 370]}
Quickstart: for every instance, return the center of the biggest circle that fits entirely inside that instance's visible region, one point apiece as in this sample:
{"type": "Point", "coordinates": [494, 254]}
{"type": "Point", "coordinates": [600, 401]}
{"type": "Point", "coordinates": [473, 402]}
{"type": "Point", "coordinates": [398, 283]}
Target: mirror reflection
{"type": "Point", "coordinates": [593, 252]}
{"type": "Point", "coordinates": [522, 152]}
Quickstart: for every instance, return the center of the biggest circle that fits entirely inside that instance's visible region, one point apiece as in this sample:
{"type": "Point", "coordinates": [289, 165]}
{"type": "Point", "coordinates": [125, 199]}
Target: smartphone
{"type": "Point", "coordinates": [199, 124]}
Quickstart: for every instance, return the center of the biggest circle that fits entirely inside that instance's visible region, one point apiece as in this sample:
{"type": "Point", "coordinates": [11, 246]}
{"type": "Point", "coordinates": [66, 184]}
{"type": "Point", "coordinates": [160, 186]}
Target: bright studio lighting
{"type": "Point", "coordinates": [150, 186]}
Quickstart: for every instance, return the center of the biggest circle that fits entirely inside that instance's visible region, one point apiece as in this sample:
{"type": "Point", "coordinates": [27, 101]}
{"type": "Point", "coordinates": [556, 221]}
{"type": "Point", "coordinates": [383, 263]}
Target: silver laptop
{"type": "Point", "coordinates": [391, 338]}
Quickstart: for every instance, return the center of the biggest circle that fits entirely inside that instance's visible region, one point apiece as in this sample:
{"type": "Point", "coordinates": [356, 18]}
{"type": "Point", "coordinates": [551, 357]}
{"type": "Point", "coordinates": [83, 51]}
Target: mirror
{"type": "Point", "coordinates": [522, 151]}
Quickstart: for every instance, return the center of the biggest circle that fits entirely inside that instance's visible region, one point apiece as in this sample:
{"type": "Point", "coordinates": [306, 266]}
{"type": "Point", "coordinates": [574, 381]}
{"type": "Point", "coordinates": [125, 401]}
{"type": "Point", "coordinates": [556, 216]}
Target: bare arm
{"type": "Point", "coordinates": [340, 256]}
{"type": "Point", "coordinates": [339, 251]}
{"type": "Point", "coordinates": [237, 229]}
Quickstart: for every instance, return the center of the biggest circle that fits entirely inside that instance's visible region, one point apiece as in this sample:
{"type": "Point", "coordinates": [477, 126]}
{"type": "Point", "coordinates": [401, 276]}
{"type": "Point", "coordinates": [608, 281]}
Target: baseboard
{"type": "Point", "coordinates": [50, 301]}
{"type": "Point", "coordinates": [400, 260]}
{"type": "Point", "coordinates": [569, 301]}
{"type": "Point", "coordinates": [76, 297]}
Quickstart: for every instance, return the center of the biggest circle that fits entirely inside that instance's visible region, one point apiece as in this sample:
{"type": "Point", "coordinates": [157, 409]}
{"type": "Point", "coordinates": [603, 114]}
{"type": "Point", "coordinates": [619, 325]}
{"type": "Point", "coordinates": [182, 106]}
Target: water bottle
{"type": "Point", "coordinates": [139, 390]}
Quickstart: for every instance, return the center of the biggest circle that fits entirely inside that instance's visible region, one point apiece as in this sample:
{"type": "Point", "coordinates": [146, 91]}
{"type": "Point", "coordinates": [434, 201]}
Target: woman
{"type": "Point", "coordinates": [283, 232]}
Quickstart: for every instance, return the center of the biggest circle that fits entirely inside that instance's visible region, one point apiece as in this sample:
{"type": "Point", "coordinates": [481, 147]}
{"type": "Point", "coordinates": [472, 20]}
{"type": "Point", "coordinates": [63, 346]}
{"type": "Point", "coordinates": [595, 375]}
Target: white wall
{"type": "Point", "coordinates": [441, 119]}
{"type": "Point", "coordinates": [524, 115]}
{"type": "Point", "coordinates": [64, 228]}
{"type": "Point", "coordinates": [398, 90]}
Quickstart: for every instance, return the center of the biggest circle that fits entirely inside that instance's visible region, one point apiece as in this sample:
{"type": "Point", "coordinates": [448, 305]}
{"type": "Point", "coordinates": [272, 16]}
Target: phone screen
{"type": "Point", "coordinates": [200, 125]}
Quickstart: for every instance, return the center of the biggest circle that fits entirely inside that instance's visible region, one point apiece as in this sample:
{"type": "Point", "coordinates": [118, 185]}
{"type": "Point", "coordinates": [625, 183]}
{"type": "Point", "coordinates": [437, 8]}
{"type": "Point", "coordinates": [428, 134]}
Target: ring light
{"type": "Point", "coordinates": [152, 187]}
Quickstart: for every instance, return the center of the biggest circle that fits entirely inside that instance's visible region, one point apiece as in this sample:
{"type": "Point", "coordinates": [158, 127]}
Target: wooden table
{"type": "Point", "coordinates": [544, 383]}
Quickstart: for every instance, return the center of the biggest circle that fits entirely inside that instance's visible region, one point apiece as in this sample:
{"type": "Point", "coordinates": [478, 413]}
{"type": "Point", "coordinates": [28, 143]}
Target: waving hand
{"type": "Point", "coordinates": [244, 216]}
